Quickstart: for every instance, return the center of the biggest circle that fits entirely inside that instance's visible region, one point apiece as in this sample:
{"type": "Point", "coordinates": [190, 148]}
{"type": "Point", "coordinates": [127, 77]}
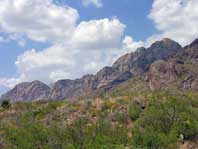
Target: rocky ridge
{"type": "Point", "coordinates": [164, 63]}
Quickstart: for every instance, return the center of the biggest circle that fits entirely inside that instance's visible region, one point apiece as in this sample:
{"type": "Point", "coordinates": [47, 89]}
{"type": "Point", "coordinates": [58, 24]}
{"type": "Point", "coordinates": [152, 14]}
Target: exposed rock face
{"type": "Point", "coordinates": [106, 78]}
{"type": "Point", "coordinates": [110, 76]}
{"type": "Point", "coordinates": [140, 61]}
{"type": "Point", "coordinates": [71, 88]}
{"type": "Point", "coordinates": [191, 51]}
{"type": "Point", "coordinates": [167, 74]}
{"type": "Point", "coordinates": [191, 82]}
{"type": "Point", "coordinates": [28, 91]}
{"type": "Point", "coordinates": [163, 74]}
{"type": "Point", "coordinates": [164, 64]}
{"type": "Point", "coordinates": [180, 72]}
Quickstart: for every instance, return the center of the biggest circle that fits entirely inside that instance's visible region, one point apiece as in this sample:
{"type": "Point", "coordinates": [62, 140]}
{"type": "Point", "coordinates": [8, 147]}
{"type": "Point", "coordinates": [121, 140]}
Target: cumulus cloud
{"type": "Point", "coordinates": [97, 3]}
{"type": "Point", "coordinates": [176, 19]}
{"type": "Point", "coordinates": [98, 34]}
{"type": "Point", "coordinates": [94, 44]}
{"type": "Point", "coordinates": [40, 20]}
{"type": "Point", "coordinates": [60, 62]}
{"type": "Point", "coordinates": [130, 44]}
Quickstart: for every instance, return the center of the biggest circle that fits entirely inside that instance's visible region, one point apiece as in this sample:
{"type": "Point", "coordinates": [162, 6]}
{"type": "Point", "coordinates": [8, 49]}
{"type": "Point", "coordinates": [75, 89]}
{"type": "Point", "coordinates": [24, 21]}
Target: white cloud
{"type": "Point", "coordinates": [176, 19]}
{"type": "Point", "coordinates": [130, 44]}
{"type": "Point", "coordinates": [98, 34]}
{"type": "Point", "coordinates": [60, 62]}
{"type": "Point", "coordinates": [40, 20]}
{"type": "Point", "coordinates": [94, 44]}
{"type": "Point", "coordinates": [2, 81]}
{"type": "Point", "coordinates": [9, 82]}
{"type": "Point", "coordinates": [97, 3]}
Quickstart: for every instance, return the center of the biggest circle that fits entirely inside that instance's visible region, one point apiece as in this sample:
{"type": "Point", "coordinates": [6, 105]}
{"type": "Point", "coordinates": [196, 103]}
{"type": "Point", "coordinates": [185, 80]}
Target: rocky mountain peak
{"type": "Point", "coordinates": [165, 43]}
{"type": "Point", "coordinates": [168, 40]}
{"type": "Point", "coordinates": [28, 91]}
{"type": "Point", "coordinates": [139, 61]}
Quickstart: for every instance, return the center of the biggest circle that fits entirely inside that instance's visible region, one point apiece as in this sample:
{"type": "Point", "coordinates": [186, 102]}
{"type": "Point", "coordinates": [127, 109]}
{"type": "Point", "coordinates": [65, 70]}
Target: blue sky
{"type": "Point", "coordinates": [50, 40]}
{"type": "Point", "coordinates": [133, 13]}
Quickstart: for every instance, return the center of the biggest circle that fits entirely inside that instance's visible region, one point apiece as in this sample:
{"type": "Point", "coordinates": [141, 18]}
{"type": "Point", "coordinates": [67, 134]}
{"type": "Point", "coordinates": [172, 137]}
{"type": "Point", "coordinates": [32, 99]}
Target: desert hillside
{"type": "Point", "coordinates": [122, 119]}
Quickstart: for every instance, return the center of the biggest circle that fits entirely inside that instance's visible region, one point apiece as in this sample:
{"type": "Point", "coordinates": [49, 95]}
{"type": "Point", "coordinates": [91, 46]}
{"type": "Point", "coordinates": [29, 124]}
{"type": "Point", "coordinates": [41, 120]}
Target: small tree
{"type": "Point", "coordinates": [5, 104]}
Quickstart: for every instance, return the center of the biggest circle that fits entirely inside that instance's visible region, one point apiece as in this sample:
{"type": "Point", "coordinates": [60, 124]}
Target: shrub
{"type": "Point", "coordinates": [5, 104]}
{"type": "Point", "coordinates": [107, 105]}
{"type": "Point", "coordinates": [134, 111]}
{"type": "Point", "coordinates": [163, 122]}
{"type": "Point", "coordinates": [189, 129]}
{"type": "Point", "coordinates": [152, 139]}
{"type": "Point", "coordinates": [121, 117]}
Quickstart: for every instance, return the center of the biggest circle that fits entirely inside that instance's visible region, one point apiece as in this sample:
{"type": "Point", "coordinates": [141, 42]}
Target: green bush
{"type": "Point", "coordinates": [134, 111]}
{"type": "Point", "coordinates": [5, 104]}
{"type": "Point", "coordinates": [29, 136]}
{"type": "Point", "coordinates": [152, 139]}
{"type": "Point", "coordinates": [121, 117]}
{"type": "Point", "coordinates": [189, 129]}
{"type": "Point", "coordinates": [163, 122]}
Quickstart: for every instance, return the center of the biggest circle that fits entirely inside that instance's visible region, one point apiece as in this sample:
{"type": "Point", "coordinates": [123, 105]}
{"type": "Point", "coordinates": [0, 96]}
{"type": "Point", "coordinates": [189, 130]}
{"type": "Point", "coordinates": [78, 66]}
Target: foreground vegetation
{"type": "Point", "coordinates": [150, 120]}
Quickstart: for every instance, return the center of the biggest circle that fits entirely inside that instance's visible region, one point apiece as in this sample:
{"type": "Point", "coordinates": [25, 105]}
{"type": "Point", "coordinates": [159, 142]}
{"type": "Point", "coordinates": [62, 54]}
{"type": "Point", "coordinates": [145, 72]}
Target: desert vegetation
{"type": "Point", "coordinates": [145, 120]}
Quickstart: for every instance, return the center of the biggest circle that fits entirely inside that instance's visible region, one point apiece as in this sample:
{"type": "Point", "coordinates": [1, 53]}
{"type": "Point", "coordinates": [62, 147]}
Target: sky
{"type": "Point", "coordinates": [48, 40]}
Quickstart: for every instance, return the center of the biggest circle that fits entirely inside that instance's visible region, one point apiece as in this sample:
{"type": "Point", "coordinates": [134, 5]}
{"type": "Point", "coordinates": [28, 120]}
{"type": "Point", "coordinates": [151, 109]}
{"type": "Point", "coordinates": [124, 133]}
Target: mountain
{"type": "Point", "coordinates": [180, 71]}
{"type": "Point", "coordinates": [71, 88]}
{"type": "Point", "coordinates": [139, 61]}
{"type": "Point", "coordinates": [165, 63]}
{"type": "Point", "coordinates": [28, 91]}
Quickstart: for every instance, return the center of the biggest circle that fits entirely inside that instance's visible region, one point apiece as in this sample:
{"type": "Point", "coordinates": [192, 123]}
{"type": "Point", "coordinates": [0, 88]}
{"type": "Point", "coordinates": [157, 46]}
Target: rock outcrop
{"type": "Point", "coordinates": [163, 73]}
{"type": "Point", "coordinates": [170, 74]}
{"type": "Point", "coordinates": [191, 52]}
{"type": "Point", "coordinates": [180, 71]}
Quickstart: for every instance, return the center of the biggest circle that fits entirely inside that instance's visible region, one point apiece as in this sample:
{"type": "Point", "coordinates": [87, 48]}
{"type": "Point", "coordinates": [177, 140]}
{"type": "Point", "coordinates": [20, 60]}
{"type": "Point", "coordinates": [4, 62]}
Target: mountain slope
{"type": "Point", "coordinates": [132, 65]}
